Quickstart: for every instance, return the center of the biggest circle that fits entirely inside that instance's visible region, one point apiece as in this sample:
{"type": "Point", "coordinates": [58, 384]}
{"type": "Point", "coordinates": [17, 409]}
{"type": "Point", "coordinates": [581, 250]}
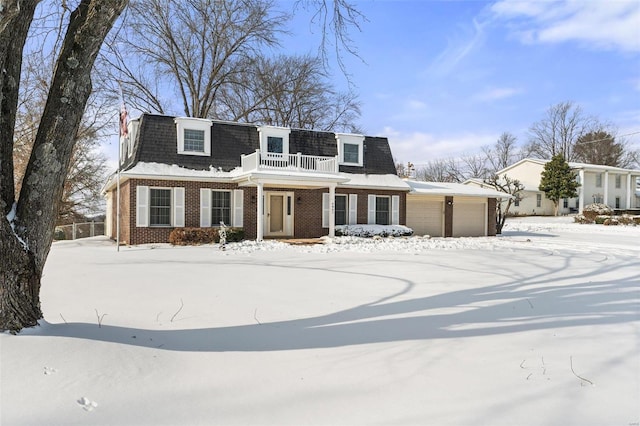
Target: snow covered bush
{"type": "Point", "coordinates": [369, 231]}
{"type": "Point", "coordinates": [596, 209]}
{"type": "Point", "coordinates": [610, 221]}
{"type": "Point", "coordinates": [579, 218]}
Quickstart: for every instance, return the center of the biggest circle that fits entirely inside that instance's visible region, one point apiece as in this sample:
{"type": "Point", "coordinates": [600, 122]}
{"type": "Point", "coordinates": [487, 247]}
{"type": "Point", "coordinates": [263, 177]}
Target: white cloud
{"type": "Point", "coordinates": [421, 147]}
{"type": "Point", "coordinates": [457, 50]}
{"type": "Point", "coordinates": [496, 93]}
{"type": "Point", "coordinates": [611, 25]}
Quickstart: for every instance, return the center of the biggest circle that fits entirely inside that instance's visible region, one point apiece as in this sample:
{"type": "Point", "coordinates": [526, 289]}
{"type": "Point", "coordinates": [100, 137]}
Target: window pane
{"type": "Point", "coordinates": [220, 207]}
{"type": "Point", "coordinates": [275, 145]}
{"type": "Point", "coordinates": [351, 152]}
{"type": "Point", "coordinates": [194, 140]}
{"type": "Point", "coordinates": [382, 210]}
{"type": "Point", "coordinates": [160, 207]}
{"type": "Point", "coordinates": [341, 209]}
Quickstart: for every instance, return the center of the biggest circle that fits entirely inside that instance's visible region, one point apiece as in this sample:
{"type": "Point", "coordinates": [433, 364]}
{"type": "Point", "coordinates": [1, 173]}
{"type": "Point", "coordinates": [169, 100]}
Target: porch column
{"type": "Point", "coordinates": [260, 218]}
{"type": "Point", "coordinates": [332, 211]}
{"type": "Point", "coordinates": [606, 188]}
{"type": "Point", "coordinates": [628, 201]}
{"type": "Point", "coordinates": [581, 191]}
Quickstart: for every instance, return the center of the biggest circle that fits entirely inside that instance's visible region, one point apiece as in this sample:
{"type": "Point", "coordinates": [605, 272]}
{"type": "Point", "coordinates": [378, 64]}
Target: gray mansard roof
{"type": "Point", "coordinates": [156, 142]}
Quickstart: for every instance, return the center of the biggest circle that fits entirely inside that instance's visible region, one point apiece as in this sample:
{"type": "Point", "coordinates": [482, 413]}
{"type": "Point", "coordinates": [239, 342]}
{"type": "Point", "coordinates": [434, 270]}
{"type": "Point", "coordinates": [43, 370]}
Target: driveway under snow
{"type": "Point", "coordinates": [539, 326]}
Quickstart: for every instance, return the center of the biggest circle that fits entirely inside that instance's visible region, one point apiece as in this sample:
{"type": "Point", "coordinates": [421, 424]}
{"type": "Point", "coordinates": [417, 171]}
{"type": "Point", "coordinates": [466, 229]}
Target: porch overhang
{"type": "Point", "coordinates": [274, 179]}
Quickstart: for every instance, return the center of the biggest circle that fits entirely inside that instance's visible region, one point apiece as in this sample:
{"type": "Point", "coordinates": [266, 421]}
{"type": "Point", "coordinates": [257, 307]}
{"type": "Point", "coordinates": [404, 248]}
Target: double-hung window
{"type": "Point", "coordinates": [350, 149]}
{"type": "Point", "coordinates": [159, 206]}
{"type": "Point", "coordinates": [383, 210]}
{"type": "Point", "coordinates": [598, 180]}
{"type": "Point", "coordinates": [341, 209]}
{"type": "Point", "coordinates": [275, 145]}
{"type": "Point", "coordinates": [618, 181]}
{"type": "Point", "coordinates": [538, 200]}
{"type": "Point", "coordinates": [220, 207]}
{"type": "Point", "coordinates": [194, 136]}
{"type": "Point", "coordinates": [194, 140]}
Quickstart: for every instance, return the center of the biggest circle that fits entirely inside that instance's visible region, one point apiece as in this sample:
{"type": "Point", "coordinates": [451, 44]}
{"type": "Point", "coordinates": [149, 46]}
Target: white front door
{"type": "Point", "coordinates": [279, 214]}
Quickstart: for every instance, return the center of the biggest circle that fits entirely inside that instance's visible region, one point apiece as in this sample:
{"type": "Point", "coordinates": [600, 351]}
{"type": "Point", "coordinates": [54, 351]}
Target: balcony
{"type": "Point", "coordinates": [260, 161]}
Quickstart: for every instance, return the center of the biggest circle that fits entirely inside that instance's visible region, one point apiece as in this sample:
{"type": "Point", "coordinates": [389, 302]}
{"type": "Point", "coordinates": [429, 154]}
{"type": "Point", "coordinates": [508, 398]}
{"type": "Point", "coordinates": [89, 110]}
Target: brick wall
{"type": "Point", "coordinates": [307, 209]}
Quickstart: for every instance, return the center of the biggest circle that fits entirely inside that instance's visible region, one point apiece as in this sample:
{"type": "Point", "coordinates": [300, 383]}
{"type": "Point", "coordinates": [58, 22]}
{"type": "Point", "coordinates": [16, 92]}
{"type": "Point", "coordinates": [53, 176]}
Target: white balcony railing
{"type": "Point", "coordinates": [289, 162]}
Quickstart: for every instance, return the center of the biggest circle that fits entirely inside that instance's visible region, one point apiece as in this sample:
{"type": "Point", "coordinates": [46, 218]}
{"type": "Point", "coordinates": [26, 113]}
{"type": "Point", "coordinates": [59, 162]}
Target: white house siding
{"type": "Point", "coordinates": [425, 215]}
{"type": "Point", "coordinates": [469, 217]}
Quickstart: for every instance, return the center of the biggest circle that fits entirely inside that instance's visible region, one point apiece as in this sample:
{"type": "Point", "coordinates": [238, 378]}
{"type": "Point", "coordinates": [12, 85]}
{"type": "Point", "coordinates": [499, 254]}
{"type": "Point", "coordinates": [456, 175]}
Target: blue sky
{"type": "Point", "coordinates": [443, 78]}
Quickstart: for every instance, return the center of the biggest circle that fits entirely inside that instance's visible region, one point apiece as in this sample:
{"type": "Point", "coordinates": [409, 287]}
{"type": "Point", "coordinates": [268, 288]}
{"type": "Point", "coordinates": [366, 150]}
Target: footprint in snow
{"type": "Point", "coordinates": [86, 404]}
{"type": "Point", "coordinates": [49, 370]}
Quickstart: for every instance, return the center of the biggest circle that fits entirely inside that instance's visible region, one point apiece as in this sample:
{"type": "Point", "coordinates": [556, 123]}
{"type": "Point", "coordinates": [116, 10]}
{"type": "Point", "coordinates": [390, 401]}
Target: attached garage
{"type": "Point", "coordinates": [425, 215]}
{"type": "Point", "coordinates": [442, 209]}
{"type": "Point", "coordinates": [469, 217]}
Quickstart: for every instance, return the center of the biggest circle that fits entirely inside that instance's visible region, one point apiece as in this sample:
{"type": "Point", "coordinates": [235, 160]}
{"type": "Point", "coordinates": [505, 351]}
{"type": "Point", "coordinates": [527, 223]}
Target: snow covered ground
{"type": "Point", "coordinates": [539, 326]}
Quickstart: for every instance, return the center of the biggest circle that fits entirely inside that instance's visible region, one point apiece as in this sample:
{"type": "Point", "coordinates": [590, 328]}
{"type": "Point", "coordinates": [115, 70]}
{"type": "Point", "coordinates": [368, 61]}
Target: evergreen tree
{"type": "Point", "coordinates": [558, 181]}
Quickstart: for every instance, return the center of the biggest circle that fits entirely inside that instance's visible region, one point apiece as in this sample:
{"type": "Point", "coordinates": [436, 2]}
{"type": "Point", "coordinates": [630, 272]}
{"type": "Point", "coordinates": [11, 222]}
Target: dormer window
{"type": "Point", "coordinates": [194, 136]}
{"type": "Point", "coordinates": [274, 140]}
{"type": "Point", "coordinates": [350, 149]}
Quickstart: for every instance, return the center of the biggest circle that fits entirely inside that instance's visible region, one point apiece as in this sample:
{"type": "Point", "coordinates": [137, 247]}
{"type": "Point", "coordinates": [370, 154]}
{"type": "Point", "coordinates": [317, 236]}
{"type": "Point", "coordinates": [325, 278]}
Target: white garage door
{"type": "Point", "coordinates": [425, 216]}
{"type": "Point", "coordinates": [469, 218]}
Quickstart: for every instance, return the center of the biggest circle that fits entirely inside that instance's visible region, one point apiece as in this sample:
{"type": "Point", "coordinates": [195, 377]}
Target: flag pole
{"type": "Point", "coordinates": [122, 122]}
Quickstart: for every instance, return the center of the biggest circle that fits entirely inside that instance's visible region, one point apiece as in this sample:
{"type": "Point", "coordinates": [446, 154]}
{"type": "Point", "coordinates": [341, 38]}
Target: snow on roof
{"type": "Point", "coordinates": [374, 181]}
{"type": "Point", "coordinates": [573, 165]}
{"type": "Point", "coordinates": [159, 169]}
{"type": "Point", "coordinates": [446, 188]}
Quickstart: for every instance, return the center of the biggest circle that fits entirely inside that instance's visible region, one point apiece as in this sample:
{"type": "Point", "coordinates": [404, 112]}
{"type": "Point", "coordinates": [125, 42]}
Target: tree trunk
{"type": "Point", "coordinates": [26, 236]}
{"type": "Point", "coordinates": [20, 283]}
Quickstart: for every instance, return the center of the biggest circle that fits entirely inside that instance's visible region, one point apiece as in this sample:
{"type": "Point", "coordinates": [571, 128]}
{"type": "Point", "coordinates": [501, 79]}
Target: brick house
{"type": "Point", "coordinates": [274, 182]}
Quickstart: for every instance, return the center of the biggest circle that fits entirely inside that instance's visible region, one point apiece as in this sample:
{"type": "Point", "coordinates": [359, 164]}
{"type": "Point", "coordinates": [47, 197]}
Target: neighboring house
{"type": "Point", "coordinates": [271, 181]}
{"type": "Point", "coordinates": [614, 186]}
{"type": "Point", "coordinates": [451, 209]}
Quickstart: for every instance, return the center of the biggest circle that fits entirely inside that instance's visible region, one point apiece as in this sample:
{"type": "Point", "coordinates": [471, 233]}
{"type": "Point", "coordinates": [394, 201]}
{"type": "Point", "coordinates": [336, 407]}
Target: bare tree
{"type": "Point", "coordinates": [503, 153]}
{"type": "Point", "coordinates": [335, 18]}
{"type": "Point", "coordinates": [289, 91]}
{"type": "Point", "coordinates": [475, 166]}
{"type": "Point", "coordinates": [603, 147]}
{"type": "Point", "coordinates": [509, 186]}
{"type": "Point", "coordinates": [189, 50]}
{"type": "Point", "coordinates": [443, 170]}
{"type": "Point", "coordinates": [27, 222]}
{"type": "Point", "coordinates": [559, 131]}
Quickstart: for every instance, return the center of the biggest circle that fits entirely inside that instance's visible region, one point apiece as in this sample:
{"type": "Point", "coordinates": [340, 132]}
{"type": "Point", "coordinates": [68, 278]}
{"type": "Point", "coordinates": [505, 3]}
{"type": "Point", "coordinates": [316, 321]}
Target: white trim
{"type": "Point", "coordinates": [238, 208]}
{"type": "Point", "coordinates": [395, 210]}
{"type": "Point", "coordinates": [178, 207]}
{"type": "Point", "coordinates": [188, 123]}
{"type": "Point", "coordinates": [142, 206]}
{"type": "Point", "coordinates": [351, 139]}
{"type": "Point", "coordinates": [371, 216]}
{"type": "Point", "coordinates": [205, 207]}
{"type": "Point", "coordinates": [353, 209]}
{"type": "Point", "coordinates": [325, 210]}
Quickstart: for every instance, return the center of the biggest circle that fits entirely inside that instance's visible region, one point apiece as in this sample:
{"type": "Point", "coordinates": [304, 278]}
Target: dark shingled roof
{"type": "Point", "coordinates": [156, 142]}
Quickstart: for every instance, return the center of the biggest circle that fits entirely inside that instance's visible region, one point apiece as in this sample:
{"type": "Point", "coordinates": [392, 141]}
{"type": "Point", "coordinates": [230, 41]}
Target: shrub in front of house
{"type": "Point", "coordinates": [599, 220]}
{"type": "Point", "coordinates": [596, 209]}
{"type": "Point", "coordinates": [580, 218]}
{"type": "Point", "coordinates": [369, 231]}
{"type": "Point", "coordinates": [197, 236]}
{"type": "Point", "coordinates": [627, 219]}
{"type": "Point", "coordinates": [611, 221]}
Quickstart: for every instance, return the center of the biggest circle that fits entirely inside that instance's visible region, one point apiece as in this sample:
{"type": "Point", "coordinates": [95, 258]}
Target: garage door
{"type": "Point", "coordinates": [425, 216]}
{"type": "Point", "coordinates": [469, 218]}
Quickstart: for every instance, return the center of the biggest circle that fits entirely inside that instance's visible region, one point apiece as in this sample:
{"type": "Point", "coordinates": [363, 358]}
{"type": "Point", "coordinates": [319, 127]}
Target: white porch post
{"type": "Point", "coordinates": [581, 194]}
{"type": "Point", "coordinates": [628, 200]}
{"type": "Point", "coordinates": [332, 211]}
{"type": "Point", "coordinates": [606, 187]}
{"type": "Point", "coordinates": [260, 218]}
